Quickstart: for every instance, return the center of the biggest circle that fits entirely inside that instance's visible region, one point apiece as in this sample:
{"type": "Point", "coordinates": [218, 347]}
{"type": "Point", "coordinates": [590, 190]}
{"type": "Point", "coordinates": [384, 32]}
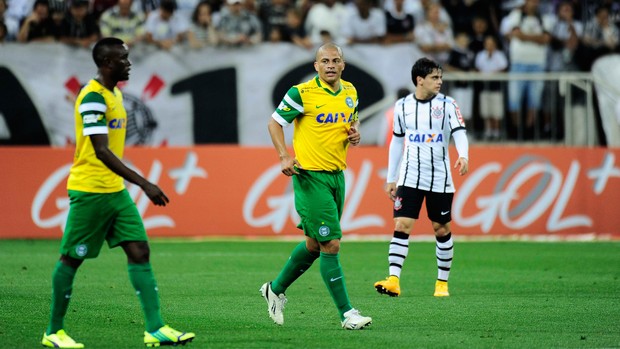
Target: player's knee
{"type": "Point", "coordinates": [137, 252]}
{"type": "Point", "coordinates": [441, 230]}
{"type": "Point", "coordinates": [331, 246]}
{"type": "Point", "coordinates": [403, 226]}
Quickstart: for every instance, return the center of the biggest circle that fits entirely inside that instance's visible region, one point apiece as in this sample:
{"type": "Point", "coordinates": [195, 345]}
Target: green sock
{"type": "Point", "coordinates": [331, 271]}
{"type": "Point", "coordinates": [143, 281]}
{"type": "Point", "coordinates": [62, 285]}
{"type": "Point", "coordinates": [301, 259]}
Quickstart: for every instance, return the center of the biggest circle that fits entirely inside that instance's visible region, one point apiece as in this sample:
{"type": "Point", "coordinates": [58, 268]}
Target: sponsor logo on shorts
{"type": "Point", "coordinates": [324, 230]}
{"type": "Point", "coordinates": [81, 250]}
{"type": "Point", "coordinates": [398, 203]}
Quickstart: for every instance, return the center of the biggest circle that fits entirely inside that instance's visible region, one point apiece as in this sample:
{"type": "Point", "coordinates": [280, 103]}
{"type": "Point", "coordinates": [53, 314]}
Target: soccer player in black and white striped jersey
{"type": "Point", "coordinates": [423, 124]}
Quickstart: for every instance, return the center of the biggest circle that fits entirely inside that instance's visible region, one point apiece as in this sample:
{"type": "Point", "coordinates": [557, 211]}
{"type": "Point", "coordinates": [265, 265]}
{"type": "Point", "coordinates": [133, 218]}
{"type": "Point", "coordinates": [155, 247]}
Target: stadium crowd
{"type": "Point", "coordinates": [462, 35]}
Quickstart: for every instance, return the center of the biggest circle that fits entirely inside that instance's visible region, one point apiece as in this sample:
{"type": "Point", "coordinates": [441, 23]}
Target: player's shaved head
{"type": "Point", "coordinates": [103, 47]}
{"type": "Point", "coordinates": [329, 46]}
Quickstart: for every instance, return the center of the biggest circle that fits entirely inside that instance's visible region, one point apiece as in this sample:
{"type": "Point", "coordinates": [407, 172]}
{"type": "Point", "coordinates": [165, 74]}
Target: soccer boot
{"type": "Point", "coordinates": [60, 339]}
{"type": "Point", "coordinates": [389, 286]}
{"type": "Point", "coordinates": [275, 303]}
{"type": "Point", "coordinates": [167, 336]}
{"type": "Point", "coordinates": [441, 289]}
{"type": "Point", "coordinates": [353, 320]}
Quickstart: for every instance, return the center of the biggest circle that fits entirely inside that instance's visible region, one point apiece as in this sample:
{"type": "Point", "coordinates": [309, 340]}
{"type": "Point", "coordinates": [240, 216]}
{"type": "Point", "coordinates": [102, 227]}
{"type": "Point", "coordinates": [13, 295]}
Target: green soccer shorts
{"type": "Point", "coordinates": [319, 200]}
{"type": "Point", "coordinates": [95, 217]}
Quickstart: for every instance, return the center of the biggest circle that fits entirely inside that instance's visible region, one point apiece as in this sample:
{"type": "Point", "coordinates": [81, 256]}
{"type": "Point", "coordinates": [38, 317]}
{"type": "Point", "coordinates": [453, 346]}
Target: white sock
{"type": "Point", "coordinates": [399, 248]}
{"type": "Point", "coordinates": [444, 252]}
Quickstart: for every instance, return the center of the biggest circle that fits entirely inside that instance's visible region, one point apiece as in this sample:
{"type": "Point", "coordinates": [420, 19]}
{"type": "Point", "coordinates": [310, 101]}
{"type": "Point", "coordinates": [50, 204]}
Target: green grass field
{"type": "Point", "coordinates": [503, 295]}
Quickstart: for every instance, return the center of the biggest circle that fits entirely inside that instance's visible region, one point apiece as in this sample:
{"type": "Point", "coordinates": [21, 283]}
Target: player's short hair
{"type": "Point", "coordinates": [330, 45]}
{"type": "Point", "coordinates": [422, 68]}
{"type": "Point", "coordinates": [102, 48]}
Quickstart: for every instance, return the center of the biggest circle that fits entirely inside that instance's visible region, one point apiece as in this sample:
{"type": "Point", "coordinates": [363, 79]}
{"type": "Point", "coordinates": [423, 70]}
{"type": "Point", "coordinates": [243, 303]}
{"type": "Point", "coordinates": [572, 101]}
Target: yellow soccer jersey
{"type": "Point", "coordinates": [97, 111]}
{"type": "Point", "coordinates": [322, 120]}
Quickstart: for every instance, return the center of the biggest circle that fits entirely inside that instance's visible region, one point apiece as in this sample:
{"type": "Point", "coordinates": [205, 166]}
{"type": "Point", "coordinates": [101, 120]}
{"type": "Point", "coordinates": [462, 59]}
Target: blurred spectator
{"type": "Point", "coordinates": [252, 6]}
{"type": "Point", "coordinates": [148, 6]}
{"type": "Point", "coordinates": [123, 22]}
{"type": "Point", "coordinates": [590, 8]}
{"type": "Point", "coordinates": [600, 36]}
{"type": "Point", "coordinates": [79, 28]}
{"type": "Point", "coordinates": [434, 36]}
{"type": "Point", "coordinates": [164, 27]}
{"type": "Point", "coordinates": [2, 32]}
{"type": "Point", "coordinates": [480, 30]}
{"type": "Point", "coordinates": [18, 10]}
{"type": "Point", "coordinates": [294, 30]}
{"type": "Point", "coordinates": [325, 20]}
{"type": "Point", "coordinates": [202, 31]}
{"type": "Point", "coordinates": [10, 24]}
{"type": "Point", "coordinates": [58, 12]}
{"type": "Point", "coordinates": [272, 15]}
{"type": "Point", "coordinates": [186, 8]}
{"type": "Point", "coordinates": [462, 14]}
{"type": "Point", "coordinates": [420, 12]}
{"type": "Point", "coordinates": [491, 60]}
{"type": "Point", "coordinates": [238, 27]}
{"type": "Point", "coordinates": [566, 34]}
{"type": "Point", "coordinates": [38, 26]}
{"type": "Point", "coordinates": [461, 59]}
{"type": "Point", "coordinates": [364, 23]}
{"type": "Point", "coordinates": [98, 7]}
{"type": "Point", "coordinates": [399, 23]}
{"type": "Point", "coordinates": [409, 6]}
{"type": "Point", "coordinates": [529, 40]}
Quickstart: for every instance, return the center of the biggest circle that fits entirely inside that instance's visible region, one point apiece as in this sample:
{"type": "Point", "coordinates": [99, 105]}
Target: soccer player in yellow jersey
{"type": "Point", "coordinates": [100, 206]}
{"type": "Point", "coordinates": [324, 111]}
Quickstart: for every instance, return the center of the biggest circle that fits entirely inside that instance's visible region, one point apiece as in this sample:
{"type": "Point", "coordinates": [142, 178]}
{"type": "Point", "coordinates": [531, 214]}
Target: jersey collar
{"type": "Point", "coordinates": [318, 82]}
{"type": "Point", "coordinates": [424, 100]}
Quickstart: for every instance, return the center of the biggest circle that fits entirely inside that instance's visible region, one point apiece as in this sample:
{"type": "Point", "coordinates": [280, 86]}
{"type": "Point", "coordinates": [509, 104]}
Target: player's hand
{"type": "Point", "coordinates": [463, 165]}
{"type": "Point", "coordinates": [354, 136]}
{"type": "Point", "coordinates": [289, 166]}
{"type": "Point", "coordinates": [156, 195]}
{"type": "Point", "coordinates": [390, 189]}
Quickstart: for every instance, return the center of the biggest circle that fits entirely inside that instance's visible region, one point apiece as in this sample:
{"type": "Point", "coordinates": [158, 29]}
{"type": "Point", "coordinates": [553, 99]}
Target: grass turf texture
{"type": "Point", "coordinates": [503, 295]}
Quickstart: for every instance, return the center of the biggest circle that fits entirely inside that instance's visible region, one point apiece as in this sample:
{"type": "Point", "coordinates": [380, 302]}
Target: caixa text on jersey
{"type": "Point", "coordinates": [333, 118]}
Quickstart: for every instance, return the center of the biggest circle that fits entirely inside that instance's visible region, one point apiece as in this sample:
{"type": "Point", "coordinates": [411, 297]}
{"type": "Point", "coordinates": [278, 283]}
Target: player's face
{"type": "Point", "coordinates": [120, 63]}
{"type": "Point", "coordinates": [329, 64]}
{"type": "Point", "coordinates": [431, 84]}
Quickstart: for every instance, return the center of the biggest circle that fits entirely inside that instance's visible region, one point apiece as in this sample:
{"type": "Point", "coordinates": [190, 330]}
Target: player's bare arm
{"type": "Point", "coordinates": [105, 155]}
{"type": "Point", "coordinates": [287, 162]}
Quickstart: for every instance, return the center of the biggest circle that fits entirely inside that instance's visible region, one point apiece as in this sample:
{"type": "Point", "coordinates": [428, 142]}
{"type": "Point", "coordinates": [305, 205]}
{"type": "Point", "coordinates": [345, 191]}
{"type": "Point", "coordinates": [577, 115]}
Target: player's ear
{"type": "Point", "coordinates": [316, 66]}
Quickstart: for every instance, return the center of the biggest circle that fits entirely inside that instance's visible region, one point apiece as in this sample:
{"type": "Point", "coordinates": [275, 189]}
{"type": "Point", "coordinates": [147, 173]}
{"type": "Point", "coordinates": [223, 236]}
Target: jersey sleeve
{"type": "Point", "coordinates": [398, 124]}
{"type": "Point", "coordinates": [92, 109]}
{"type": "Point", "coordinates": [289, 108]}
{"type": "Point", "coordinates": [455, 118]}
{"type": "Point", "coordinates": [356, 110]}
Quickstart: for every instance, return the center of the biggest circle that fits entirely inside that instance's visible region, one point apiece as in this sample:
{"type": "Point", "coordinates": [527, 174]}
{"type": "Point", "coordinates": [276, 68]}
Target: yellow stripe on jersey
{"type": "Point", "coordinates": [97, 111]}
{"type": "Point", "coordinates": [322, 119]}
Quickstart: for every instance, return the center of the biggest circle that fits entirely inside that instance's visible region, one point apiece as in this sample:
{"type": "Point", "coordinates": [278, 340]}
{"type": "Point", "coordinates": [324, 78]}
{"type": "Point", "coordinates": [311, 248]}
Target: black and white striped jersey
{"type": "Point", "coordinates": [426, 126]}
